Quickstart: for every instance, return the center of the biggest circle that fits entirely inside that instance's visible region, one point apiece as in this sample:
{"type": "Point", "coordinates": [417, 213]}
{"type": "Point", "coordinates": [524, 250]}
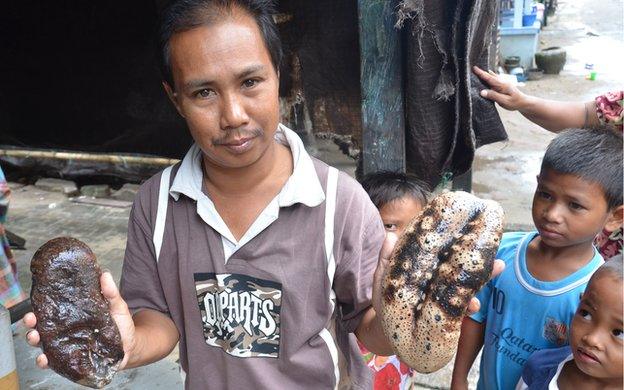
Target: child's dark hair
{"type": "Point", "coordinates": [594, 155]}
{"type": "Point", "coordinates": [613, 267]}
{"type": "Point", "coordinates": [385, 186]}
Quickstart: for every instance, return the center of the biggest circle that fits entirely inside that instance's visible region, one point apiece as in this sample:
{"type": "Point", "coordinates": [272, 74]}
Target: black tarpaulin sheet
{"type": "Point", "coordinates": [447, 119]}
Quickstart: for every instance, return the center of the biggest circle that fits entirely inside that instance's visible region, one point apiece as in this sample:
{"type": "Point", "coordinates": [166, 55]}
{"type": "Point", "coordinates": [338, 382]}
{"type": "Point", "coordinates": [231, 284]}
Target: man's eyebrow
{"type": "Point", "coordinates": [250, 70]}
{"type": "Point", "coordinates": [197, 83]}
{"type": "Point", "coordinates": [192, 84]}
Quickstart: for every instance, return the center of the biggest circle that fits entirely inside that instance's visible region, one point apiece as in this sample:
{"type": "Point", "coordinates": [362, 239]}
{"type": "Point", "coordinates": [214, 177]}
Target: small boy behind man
{"type": "Point", "coordinates": [593, 360]}
{"type": "Point", "coordinates": [399, 198]}
{"type": "Point", "coordinates": [529, 306]}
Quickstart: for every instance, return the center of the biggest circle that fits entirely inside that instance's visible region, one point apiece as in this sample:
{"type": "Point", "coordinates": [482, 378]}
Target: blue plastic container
{"type": "Point", "coordinates": [528, 20]}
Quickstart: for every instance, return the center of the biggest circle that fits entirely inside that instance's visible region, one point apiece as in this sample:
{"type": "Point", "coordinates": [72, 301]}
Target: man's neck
{"type": "Point", "coordinates": [242, 181]}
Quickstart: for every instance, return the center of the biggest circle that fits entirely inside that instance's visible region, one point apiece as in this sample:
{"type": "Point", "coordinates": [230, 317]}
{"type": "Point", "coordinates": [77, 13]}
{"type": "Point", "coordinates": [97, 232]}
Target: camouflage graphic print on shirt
{"type": "Point", "coordinates": [240, 313]}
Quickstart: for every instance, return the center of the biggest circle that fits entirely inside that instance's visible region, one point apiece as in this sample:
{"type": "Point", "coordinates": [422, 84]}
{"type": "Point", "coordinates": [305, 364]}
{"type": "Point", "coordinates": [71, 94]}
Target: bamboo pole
{"type": "Point", "coordinates": [88, 157]}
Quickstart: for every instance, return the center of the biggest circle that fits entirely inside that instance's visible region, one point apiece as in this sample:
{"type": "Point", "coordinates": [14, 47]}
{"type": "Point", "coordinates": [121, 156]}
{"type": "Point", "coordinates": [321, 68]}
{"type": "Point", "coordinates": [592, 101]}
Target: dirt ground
{"type": "Point", "coordinates": [590, 31]}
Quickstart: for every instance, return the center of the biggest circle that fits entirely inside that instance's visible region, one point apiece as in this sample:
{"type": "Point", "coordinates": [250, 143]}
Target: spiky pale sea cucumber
{"type": "Point", "coordinates": [442, 259]}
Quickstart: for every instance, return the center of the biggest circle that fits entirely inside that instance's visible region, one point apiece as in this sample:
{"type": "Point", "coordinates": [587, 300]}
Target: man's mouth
{"type": "Point", "coordinates": [237, 142]}
{"type": "Point", "coordinates": [238, 145]}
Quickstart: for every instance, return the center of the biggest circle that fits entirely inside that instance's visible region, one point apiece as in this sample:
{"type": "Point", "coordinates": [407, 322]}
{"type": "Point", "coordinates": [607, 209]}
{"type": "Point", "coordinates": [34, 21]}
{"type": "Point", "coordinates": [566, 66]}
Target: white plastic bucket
{"type": "Point", "coordinates": [8, 371]}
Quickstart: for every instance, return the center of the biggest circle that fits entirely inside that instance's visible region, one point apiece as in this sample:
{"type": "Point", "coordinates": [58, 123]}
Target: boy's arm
{"type": "Point", "coordinates": [470, 343]}
{"type": "Point", "coordinates": [550, 114]}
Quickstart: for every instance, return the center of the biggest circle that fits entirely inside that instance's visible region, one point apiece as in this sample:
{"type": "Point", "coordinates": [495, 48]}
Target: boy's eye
{"type": "Point", "coordinates": [618, 333]}
{"type": "Point", "coordinates": [576, 206]}
{"type": "Point", "coordinates": [585, 314]}
{"type": "Point", "coordinates": [390, 227]}
{"type": "Point", "coordinates": [543, 194]}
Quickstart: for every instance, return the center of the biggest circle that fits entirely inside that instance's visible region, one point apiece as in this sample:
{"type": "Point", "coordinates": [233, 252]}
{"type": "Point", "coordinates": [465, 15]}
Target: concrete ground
{"type": "Point", "coordinates": [504, 172]}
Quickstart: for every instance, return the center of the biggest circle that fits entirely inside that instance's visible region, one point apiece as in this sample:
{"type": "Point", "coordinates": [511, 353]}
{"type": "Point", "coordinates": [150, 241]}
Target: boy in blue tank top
{"type": "Point", "coordinates": [529, 306]}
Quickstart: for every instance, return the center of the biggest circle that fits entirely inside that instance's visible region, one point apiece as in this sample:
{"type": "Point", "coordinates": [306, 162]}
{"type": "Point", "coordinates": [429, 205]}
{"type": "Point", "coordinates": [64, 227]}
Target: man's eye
{"type": "Point", "coordinates": [390, 227]}
{"type": "Point", "coordinates": [249, 83]}
{"type": "Point", "coordinates": [618, 333]}
{"type": "Point", "coordinates": [585, 314]}
{"type": "Point", "coordinates": [205, 93]}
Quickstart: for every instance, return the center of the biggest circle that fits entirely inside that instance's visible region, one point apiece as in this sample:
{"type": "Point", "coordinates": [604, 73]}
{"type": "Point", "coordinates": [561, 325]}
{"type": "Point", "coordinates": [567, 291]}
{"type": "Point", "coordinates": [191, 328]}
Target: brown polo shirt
{"type": "Point", "coordinates": [256, 316]}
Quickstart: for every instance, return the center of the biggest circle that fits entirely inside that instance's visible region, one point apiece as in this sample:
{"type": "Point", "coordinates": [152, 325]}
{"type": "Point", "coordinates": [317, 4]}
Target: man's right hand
{"type": "Point", "coordinates": [119, 311]}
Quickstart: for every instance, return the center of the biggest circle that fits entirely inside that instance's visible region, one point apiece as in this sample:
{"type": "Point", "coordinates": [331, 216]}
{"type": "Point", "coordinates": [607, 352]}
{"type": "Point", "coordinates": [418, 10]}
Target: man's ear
{"type": "Point", "coordinates": [615, 219]}
{"type": "Point", "coordinates": [172, 97]}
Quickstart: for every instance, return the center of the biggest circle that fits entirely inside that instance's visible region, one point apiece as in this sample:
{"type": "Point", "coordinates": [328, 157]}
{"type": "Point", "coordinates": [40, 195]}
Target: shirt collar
{"type": "Point", "coordinates": [303, 186]}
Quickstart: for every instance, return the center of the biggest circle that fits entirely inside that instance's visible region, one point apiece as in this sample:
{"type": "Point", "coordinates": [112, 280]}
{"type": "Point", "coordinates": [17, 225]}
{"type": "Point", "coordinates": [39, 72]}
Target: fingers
{"type": "Point", "coordinates": [30, 320]}
{"type": "Point", "coordinates": [111, 293]}
{"type": "Point", "coordinates": [498, 97]}
{"type": "Point", "coordinates": [497, 268]}
{"type": "Point", "coordinates": [487, 77]}
{"type": "Point", "coordinates": [388, 246]}
{"type": "Point", "coordinates": [32, 337]}
{"type": "Point", "coordinates": [42, 361]}
{"type": "Point", "coordinates": [384, 258]}
{"type": "Point", "coordinates": [473, 306]}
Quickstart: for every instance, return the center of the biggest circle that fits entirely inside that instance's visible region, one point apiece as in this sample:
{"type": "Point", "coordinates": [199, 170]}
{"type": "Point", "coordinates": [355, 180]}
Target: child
{"type": "Point", "coordinates": [399, 198]}
{"type": "Point", "coordinates": [594, 358]}
{"type": "Point", "coordinates": [528, 306]}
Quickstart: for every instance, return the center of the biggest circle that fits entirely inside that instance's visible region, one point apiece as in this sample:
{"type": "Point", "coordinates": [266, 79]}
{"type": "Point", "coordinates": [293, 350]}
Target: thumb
{"type": "Point", "coordinates": [111, 293]}
{"type": "Point", "coordinates": [388, 246]}
{"type": "Point", "coordinates": [494, 96]}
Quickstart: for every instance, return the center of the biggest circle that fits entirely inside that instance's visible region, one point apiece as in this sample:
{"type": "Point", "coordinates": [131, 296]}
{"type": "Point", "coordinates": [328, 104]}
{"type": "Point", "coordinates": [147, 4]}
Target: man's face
{"type": "Point", "coordinates": [226, 88]}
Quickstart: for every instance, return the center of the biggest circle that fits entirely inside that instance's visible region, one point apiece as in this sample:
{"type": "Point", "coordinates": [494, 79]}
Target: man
{"type": "Point", "coordinates": [240, 267]}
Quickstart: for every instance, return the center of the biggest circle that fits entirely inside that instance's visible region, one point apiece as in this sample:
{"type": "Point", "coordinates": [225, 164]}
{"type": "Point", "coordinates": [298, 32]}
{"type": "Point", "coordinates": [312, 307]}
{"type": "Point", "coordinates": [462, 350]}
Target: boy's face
{"type": "Point", "coordinates": [396, 215]}
{"type": "Point", "coordinates": [568, 210]}
{"type": "Point", "coordinates": [596, 332]}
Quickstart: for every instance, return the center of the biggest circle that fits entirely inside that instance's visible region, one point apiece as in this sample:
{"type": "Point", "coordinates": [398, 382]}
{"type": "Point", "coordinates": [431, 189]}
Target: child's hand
{"type": "Point", "coordinates": [506, 95]}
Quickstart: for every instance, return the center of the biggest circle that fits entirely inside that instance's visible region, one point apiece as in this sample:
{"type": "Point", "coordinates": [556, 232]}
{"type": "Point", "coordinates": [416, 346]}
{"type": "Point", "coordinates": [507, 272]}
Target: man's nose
{"type": "Point", "coordinates": [233, 113]}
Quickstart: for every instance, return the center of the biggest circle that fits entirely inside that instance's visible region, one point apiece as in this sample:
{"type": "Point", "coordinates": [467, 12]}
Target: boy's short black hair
{"type": "Point", "coordinates": [183, 15]}
{"type": "Point", "coordinates": [594, 155]}
{"type": "Point", "coordinates": [385, 186]}
{"type": "Point", "coordinates": [613, 267]}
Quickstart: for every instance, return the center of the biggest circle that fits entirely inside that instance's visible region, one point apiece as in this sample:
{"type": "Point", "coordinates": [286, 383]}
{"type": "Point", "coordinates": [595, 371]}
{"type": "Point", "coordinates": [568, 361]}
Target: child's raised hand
{"type": "Point", "coordinates": [506, 95]}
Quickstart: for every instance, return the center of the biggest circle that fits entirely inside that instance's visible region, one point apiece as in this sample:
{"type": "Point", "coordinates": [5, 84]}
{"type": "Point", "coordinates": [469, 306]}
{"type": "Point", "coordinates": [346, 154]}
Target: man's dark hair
{"type": "Point", "coordinates": [594, 155]}
{"type": "Point", "coordinates": [385, 186]}
{"type": "Point", "coordinates": [185, 15]}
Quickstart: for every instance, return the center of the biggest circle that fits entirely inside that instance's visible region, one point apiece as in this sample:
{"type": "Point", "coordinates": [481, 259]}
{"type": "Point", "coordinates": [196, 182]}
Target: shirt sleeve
{"type": "Point", "coordinates": [609, 109]}
{"type": "Point", "coordinates": [140, 282]}
{"type": "Point", "coordinates": [361, 237]}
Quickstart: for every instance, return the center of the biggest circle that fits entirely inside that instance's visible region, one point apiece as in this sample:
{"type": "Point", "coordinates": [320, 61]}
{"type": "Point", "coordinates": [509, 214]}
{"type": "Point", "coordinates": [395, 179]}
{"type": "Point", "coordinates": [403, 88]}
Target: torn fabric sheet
{"type": "Point", "coordinates": [447, 119]}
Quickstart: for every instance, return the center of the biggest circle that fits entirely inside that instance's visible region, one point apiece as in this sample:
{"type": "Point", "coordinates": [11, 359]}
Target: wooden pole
{"type": "Point", "coordinates": [381, 83]}
{"type": "Point", "coordinates": [88, 157]}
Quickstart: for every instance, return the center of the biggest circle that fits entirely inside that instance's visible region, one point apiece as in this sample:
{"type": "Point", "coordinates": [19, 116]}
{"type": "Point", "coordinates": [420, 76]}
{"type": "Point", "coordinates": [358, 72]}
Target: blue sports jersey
{"type": "Point", "coordinates": [523, 314]}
